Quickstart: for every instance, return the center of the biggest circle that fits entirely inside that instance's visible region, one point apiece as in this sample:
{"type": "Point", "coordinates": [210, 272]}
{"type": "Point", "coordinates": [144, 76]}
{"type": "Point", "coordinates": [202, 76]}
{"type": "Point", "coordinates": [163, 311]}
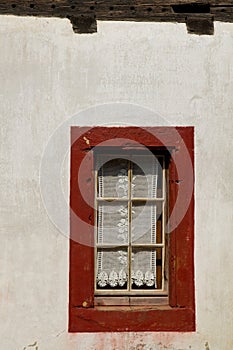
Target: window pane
{"type": "Point", "coordinates": [146, 177]}
{"type": "Point", "coordinates": [113, 179]}
{"type": "Point", "coordinates": [146, 223]}
{"type": "Point", "coordinates": [144, 268]}
{"type": "Point", "coordinates": [160, 193]}
{"type": "Point", "coordinates": [112, 224]}
{"type": "Point", "coordinates": [112, 269]}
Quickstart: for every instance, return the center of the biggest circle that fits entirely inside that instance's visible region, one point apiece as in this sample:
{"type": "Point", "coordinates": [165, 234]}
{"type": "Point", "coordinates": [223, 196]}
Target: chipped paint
{"type": "Point", "coordinates": [34, 346]}
{"type": "Point", "coordinates": [86, 140]}
{"type": "Point", "coordinates": [85, 304]}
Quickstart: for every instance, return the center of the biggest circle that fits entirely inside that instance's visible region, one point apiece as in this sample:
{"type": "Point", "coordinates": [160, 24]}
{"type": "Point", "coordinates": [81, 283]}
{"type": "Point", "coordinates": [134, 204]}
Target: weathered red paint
{"type": "Point", "coordinates": [179, 315]}
{"type": "Point", "coordinates": [131, 319]}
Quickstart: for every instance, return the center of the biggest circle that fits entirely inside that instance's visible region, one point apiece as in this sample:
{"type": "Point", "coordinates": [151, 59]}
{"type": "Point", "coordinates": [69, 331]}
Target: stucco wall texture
{"type": "Point", "coordinates": [126, 74]}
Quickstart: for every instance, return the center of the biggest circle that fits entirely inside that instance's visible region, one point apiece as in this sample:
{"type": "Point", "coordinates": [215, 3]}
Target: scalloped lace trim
{"type": "Point", "coordinates": [114, 279]}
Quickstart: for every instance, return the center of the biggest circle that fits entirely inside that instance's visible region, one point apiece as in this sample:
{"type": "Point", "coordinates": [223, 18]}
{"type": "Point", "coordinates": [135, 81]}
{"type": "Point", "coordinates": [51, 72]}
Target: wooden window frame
{"type": "Point", "coordinates": [85, 315]}
{"type": "Point", "coordinates": [133, 296]}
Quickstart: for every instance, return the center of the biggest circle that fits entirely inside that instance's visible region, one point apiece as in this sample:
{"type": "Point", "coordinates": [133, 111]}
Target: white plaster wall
{"type": "Point", "coordinates": [49, 74]}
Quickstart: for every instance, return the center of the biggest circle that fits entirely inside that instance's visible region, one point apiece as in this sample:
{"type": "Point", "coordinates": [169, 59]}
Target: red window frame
{"type": "Point", "coordinates": [84, 316]}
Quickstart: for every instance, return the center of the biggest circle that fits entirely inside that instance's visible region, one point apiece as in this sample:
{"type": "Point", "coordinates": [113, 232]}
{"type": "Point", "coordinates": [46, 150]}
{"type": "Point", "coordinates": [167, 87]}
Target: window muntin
{"type": "Point", "coordinates": [130, 252]}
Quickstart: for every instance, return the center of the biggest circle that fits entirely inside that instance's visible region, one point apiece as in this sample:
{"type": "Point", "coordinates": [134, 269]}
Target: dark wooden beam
{"type": "Point", "coordinates": [196, 25]}
{"type": "Point", "coordinates": [199, 15]}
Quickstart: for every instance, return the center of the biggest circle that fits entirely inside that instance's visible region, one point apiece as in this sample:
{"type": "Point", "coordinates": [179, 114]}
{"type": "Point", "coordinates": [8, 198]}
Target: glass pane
{"type": "Point", "coordinates": [146, 223]}
{"type": "Point", "coordinates": [112, 224]}
{"type": "Point", "coordinates": [146, 177]}
{"type": "Point", "coordinates": [160, 178]}
{"type": "Point", "coordinates": [144, 268]}
{"type": "Point", "coordinates": [112, 269]}
{"type": "Point", "coordinates": [159, 264]}
{"type": "Point", "coordinates": [113, 179]}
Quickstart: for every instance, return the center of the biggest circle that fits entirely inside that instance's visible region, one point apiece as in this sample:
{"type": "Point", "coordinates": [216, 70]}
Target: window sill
{"type": "Point", "coordinates": [132, 319]}
{"type": "Point", "coordinates": [130, 301]}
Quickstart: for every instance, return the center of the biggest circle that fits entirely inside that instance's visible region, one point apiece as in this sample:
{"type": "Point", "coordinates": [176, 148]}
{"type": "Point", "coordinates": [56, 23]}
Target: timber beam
{"type": "Point", "coordinates": [198, 15]}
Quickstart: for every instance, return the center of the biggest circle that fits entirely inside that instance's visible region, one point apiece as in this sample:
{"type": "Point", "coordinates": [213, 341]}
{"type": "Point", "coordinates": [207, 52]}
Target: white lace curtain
{"type": "Point", "coordinates": [113, 229]}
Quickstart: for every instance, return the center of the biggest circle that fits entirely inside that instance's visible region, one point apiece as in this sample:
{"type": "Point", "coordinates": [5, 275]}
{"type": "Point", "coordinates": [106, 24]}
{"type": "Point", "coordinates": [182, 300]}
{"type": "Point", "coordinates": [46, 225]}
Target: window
{"type": "Point", "coordinates": [132, 228]}
{"type": "Point", "coordinates": [130, 246]}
